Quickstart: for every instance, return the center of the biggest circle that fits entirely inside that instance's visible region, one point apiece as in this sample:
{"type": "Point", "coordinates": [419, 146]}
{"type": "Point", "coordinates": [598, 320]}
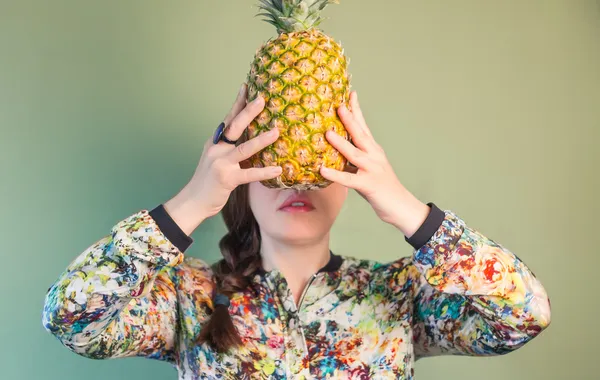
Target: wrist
{"type": "Point", "coordinates": [410, 213]}
{"type": "Point", "coordinates": [184, 210]}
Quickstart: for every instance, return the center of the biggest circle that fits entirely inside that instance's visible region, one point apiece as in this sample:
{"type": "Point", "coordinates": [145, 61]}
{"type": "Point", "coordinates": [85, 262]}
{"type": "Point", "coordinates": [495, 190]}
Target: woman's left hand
{"type": "Point", "coordinates": [374, 179]}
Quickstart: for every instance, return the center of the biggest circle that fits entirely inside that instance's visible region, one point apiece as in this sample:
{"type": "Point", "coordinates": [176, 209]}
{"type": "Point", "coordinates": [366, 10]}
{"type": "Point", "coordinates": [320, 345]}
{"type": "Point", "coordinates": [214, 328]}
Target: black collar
{"type": "Point", "coordinates": [334, 263]}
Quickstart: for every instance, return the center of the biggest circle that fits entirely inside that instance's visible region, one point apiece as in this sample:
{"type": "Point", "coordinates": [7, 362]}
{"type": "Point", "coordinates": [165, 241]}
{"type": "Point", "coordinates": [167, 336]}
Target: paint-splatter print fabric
{"type": "Point", "coordinates": [134, 293]}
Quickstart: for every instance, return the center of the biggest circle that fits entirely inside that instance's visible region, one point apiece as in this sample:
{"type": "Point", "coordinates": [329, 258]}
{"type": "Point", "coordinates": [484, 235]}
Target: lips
{"type": "Point", "coordinates": [297, 202]}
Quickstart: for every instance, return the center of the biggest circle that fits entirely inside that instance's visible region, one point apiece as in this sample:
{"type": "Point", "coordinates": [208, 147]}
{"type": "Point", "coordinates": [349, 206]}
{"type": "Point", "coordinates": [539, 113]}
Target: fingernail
{"type": "Point", "coordinates": [258, 99]}
{"type": "Point", "coordinates": [276, 169]}
{"type": "Point", "coordinates": [273, 131]}
{"type": "Point", "coordinates": [242, 89]}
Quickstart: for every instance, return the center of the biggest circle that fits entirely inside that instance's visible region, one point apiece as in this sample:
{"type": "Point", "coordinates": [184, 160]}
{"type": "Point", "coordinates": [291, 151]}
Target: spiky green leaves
{"type": "Point", "coordinates": [293, 15]}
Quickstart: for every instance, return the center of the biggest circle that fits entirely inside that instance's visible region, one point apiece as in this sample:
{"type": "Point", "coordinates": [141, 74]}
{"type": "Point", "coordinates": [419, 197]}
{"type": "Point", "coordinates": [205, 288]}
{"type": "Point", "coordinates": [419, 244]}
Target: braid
{"type": "Point", "coordinates": [240, 248]}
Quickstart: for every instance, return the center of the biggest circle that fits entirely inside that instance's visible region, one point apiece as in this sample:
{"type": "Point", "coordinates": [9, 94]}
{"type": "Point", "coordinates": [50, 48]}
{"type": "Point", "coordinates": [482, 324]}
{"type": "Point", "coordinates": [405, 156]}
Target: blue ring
{"type": "Point", "coordinates": [220, 135]}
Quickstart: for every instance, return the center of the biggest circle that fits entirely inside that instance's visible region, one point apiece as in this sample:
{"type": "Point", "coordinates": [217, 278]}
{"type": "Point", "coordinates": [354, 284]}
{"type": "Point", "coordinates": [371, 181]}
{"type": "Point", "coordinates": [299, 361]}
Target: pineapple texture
{"type": "Point", "coordinates": [303, 77]}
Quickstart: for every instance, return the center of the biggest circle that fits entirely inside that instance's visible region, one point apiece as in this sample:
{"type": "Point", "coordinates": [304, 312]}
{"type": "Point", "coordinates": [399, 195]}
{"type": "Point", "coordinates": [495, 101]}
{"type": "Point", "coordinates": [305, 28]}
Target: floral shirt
{"type": "Point", "coordinates": [132, 293]}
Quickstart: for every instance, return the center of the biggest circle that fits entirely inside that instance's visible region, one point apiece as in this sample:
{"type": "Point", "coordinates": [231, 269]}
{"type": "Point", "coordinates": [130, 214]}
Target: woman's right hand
{"type": "Point", "coordinates": [219, 171]}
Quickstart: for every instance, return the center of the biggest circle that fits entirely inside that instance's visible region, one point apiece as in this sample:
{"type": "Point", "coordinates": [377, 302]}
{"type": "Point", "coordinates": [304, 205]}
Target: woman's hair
{"type": "Point", "coordinates": [240, 248]}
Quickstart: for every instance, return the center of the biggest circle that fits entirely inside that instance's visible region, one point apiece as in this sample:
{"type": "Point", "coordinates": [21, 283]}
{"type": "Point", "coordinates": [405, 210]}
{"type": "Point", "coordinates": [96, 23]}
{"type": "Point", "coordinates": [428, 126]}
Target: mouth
{"type": "Point", "coordinates": [297, 203]}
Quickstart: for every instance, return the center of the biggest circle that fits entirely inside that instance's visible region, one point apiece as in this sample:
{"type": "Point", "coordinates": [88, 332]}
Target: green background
{"type": "Point", "coordinates": [488, 108]}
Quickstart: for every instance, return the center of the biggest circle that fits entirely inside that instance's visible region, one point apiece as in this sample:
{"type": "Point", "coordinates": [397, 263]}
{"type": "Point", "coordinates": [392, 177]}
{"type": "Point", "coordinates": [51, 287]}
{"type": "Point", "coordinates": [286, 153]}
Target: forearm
{"type": "Point", "coordinates": [182, 209]}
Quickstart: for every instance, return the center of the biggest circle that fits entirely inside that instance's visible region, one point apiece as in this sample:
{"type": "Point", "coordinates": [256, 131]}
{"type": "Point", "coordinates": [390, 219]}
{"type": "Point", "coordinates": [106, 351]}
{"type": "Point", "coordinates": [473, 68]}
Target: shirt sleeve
{"type": "Point", "coordinates": [474, 296]}
{"type": "Point", "coordinates": [118, 297]}
{"type": "Point", "coordinates": [471, 295]}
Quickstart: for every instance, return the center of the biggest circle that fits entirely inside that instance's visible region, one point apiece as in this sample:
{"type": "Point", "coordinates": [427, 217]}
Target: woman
{"type": "Point", "coordinates": [281, 305]}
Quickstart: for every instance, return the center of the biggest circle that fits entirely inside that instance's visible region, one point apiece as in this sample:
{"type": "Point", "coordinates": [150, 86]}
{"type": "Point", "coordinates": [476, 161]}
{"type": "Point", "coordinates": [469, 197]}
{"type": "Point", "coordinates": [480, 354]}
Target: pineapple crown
{"type": "Point", "coordinates": [293, 15]}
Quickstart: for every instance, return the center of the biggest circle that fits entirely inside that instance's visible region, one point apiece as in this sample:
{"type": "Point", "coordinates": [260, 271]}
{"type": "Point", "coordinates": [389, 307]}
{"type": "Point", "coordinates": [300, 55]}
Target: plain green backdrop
{"type": "Point", "coordinates": [488, 108]}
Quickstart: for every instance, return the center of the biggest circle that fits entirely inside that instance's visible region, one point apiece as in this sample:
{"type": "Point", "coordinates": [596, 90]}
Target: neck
{"type": "Point", "coordinates": [296, 262]}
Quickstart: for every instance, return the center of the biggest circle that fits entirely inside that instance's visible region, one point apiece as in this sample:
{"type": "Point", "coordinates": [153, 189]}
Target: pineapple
{"type": "Point", "coordinates": [302, 75]}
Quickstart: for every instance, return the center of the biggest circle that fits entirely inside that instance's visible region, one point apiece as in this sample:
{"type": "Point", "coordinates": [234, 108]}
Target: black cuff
{"type": "Point", "coordinates": [428, 228]}
{"type": "Point", "coordinates": [170, 229]}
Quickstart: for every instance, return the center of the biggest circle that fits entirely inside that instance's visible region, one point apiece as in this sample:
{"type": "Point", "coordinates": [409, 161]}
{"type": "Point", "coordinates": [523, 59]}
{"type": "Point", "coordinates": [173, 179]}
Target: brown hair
{"type": "Point", "coordinates": [240, 248]}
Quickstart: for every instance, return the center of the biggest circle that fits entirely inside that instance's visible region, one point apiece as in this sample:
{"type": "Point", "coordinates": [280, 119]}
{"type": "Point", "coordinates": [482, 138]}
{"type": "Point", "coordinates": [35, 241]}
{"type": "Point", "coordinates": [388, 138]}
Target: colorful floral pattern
{"type": "Point", "coordinates": [133, 293]}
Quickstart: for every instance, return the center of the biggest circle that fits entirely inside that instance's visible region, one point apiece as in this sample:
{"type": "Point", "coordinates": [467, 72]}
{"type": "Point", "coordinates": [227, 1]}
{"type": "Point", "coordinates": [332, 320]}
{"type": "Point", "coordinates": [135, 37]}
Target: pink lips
{"type": "Point", "coordinates": [297, 203]}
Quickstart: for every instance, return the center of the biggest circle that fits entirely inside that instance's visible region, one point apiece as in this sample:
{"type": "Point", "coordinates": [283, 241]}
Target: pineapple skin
{"type": "Point", "coordinates": [303, 77]}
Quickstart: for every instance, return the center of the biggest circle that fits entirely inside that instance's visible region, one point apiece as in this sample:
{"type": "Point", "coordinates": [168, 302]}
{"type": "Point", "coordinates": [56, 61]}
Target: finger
{"type": "Point", "coordinates": [244, 117]}
{"type": "Point", "coordinates": [257, 174]}
{"type": "Point", "coordinates": [352, 153]}
{"type": "Point", "coordinates": [358, 135]}
{"type": "Point", "coordinates": [252, 146]}
{"type": "Point", "coordinates": [238, 105]}
{"type": "Point", "coordinates": [357, 112]}
{"type": "Point", "coordinates": [344, 178]}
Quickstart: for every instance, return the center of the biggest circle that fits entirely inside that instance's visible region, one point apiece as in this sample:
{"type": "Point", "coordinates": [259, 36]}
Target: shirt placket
{"type": "Point", "coordinates": [295, 340]}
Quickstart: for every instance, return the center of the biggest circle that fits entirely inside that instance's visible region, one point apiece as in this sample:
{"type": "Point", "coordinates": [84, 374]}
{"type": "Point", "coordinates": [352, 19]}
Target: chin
{"type": "Point", "coordinates": [294, 238]}
{"type": "Point", "coordinates": [301, 227]}
{"type": "Point", "coordinates": [297, 229]}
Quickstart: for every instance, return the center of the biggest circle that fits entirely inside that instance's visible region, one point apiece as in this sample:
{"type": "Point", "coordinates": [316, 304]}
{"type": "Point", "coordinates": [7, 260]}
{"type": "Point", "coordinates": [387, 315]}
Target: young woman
{"type": "Point", "coordinates": [281, 304]}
